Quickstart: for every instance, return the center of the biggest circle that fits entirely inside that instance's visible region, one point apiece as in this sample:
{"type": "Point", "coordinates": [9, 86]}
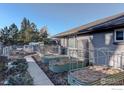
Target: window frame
{"type": "Point", "coordinates": [115, 35]}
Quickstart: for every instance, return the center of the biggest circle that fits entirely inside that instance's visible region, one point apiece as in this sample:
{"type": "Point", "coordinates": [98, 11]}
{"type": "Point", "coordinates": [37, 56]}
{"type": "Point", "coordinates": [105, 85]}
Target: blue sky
{"type": "Point", "coordinates": [58, 17]}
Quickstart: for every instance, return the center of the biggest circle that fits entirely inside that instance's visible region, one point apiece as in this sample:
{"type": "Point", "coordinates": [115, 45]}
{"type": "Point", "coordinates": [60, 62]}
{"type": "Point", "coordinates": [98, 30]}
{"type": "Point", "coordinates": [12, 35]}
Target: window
{"type": "Point", "coordinates": [119, 35]}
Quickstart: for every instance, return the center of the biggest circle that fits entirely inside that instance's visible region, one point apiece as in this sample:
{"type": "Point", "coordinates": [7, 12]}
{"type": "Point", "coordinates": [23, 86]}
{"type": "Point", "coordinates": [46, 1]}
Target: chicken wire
{"type": "Point", "coordinates": [99, 56]}
{"type": "Point", "coordinates": [49, 49]}
{"type": "Point", "coordinates": [103, 57]}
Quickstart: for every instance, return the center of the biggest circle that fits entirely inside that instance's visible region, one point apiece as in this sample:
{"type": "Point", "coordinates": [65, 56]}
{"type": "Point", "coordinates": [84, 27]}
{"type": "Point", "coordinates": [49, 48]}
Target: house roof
{"type": "Point", "coordinates": [89, 25]}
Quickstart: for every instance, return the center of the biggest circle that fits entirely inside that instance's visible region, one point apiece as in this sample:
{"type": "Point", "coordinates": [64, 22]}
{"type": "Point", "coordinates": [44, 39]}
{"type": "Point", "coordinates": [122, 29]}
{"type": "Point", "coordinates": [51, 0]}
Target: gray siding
{"type": "Point", "coordinates": [106, 40]}
{"type": "Point", "coordinates": [102, 40]}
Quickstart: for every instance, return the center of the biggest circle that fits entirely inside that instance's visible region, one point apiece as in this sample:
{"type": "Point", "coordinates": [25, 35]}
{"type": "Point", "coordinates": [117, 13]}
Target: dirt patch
{"type": "Point", "coordinates": [93, 73]}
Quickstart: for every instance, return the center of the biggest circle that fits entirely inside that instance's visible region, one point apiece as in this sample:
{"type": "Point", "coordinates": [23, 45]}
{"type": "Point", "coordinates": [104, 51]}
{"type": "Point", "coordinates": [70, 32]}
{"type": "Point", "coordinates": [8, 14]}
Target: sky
{"type": "Point", "coordinates": [57, 17]}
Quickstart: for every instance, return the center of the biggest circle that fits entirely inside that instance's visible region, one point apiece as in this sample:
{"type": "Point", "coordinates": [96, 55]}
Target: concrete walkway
{"type": "Point", "coordinates": [39, 77]}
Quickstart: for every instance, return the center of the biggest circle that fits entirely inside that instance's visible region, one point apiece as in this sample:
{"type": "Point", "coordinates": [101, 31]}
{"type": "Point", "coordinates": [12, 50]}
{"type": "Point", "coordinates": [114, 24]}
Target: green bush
{"type": "Point", "coordinates": [20, 79]}
{"type": "Point", "coordinates": [18, 66]}
{"type": "Point", "coordinates": [3, 61]}
{"type": "Point", "coordinates": [1, 66]}
{"type": "Point", "coordinates": [18, 74]}
{"type": "Point", "coordinates": [18, 61]}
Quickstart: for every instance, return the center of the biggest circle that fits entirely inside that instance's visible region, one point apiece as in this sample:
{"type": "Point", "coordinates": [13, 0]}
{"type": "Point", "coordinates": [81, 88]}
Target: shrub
{"type": "Point", "coordinates": [18, 66]}
{"type": "Point", "coordinates": [20, 79]}
{"type": "Point", "coordinates": [18, 74]}
{"type": "Point", "coordinates": [3, 61]}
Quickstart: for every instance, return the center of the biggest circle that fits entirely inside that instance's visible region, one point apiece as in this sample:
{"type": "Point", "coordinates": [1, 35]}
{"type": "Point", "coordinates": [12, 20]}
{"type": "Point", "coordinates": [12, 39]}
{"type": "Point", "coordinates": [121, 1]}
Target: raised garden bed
{"type": "Point", "coordinates": [48, 57]}
{"type": "Point", "coordinates": [65, 65]}
{"type": "Point", "coordinates": [56, 78]}
{"type": "Point", "coordinates": [96, 75]}
{"type": "Point", "coordinates": [61, 63]}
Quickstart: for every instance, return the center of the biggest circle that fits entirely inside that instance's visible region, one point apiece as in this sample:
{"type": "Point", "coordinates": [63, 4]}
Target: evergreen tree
{"type": "Point", "coordinates": [35, 32]}
{"type": "Point", "coordinates": [43, 34]}
{"type": "Point", "coordinates": [27, 33]}
{"type": "Point", "coordinates": [33, 27]}
{"type": "Point", "coordinates": [5, 35]}
{"type": "Point", "coordinates": [13, 35]}
{"type": "Point", "coordinates": [25, 24]}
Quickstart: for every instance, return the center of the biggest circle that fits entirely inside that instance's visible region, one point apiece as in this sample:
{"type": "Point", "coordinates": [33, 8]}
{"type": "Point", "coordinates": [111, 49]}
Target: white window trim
{"type": "Point", "coordinates": [115, 35]}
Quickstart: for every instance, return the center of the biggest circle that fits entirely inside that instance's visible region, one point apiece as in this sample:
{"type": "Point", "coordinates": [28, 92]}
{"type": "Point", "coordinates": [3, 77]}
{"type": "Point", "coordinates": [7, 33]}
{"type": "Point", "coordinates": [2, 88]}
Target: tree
{"type": "Point", "coordinates": [35, 37]}
{"type": "Point", "coordinates": [8, 35]}
{"type": "Point", "coordinates": [35, 32]}
{"type": "Point", "coordinates": [13, 33]}
{"type": "Point", "coordinates": [27, 33]}
{"type": "Point", "coordinates": [5, 35]}
{"type": "Point", "coordinates": [33, 27]}
{"type": "Point", "coordinates": [1, 34]}
{"type": "Point", "coordinates": [25, 24]}
{"type": "Point", "coordinates": [43, 34]}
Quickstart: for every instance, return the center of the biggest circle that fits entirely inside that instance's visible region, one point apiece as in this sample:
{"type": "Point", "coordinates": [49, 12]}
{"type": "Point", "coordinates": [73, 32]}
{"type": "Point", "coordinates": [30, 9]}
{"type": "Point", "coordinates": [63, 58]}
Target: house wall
{"type": "Point", "coordinates": [101, 43]}
{"type": "Point", "coordinates": [74, 41]}
{"type": "Point", "coordinates": [64, 42]}
{"type": "Point", "coordinates": [104, 40]}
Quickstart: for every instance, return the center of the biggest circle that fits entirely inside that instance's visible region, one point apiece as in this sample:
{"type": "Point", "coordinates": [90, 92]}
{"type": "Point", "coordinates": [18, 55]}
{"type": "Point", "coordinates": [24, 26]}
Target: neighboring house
{"type": "Point", "coordinates": [106, 34]}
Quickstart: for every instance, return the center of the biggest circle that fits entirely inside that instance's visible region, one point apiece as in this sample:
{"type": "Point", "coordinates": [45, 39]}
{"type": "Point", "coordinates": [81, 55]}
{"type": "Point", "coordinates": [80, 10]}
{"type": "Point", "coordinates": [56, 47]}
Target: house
{"type": "Point", "coordinates": [105, 37]}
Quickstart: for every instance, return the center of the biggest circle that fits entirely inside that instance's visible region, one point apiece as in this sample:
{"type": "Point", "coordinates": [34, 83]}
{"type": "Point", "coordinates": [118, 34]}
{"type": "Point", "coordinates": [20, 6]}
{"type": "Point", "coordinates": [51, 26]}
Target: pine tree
{"type": "Point", "coordinates": [13, 35]}
{"type": "Point", "coordinates": [43, 34]}
{"type": "Point", "coordinates": [28, 30]}
{"type": "Point", "coordinates": [24, 24]}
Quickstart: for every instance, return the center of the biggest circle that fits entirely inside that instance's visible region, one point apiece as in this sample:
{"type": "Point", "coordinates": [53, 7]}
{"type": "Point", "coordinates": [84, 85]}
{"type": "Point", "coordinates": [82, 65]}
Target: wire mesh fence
{"type": "Point", "coordinates": [102, 62]}
{"type": "Point", "coordinates": [101, 56]}
{"type": "Point", "coordinates": [47, 49]}
{"type": "Point", "coordinates": [53, 49]}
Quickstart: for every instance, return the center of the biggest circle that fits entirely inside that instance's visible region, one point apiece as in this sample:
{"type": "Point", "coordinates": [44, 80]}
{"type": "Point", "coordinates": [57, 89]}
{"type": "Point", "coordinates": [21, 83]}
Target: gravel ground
{"type": "Point", "coordinates": [56, 78]}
